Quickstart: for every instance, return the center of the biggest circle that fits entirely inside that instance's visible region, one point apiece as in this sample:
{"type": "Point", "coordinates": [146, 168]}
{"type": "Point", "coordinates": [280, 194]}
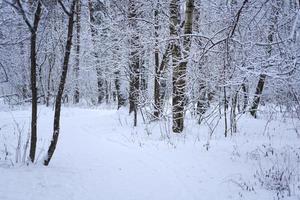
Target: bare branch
{"type": "Point", "coordinates": [19, 8]}
{"type": "Point", "coordinates": [5, 74]}
{"type": "Point", "coordinates": [64, 8]}
{"type": "Point", "coordinates": [238, 15]}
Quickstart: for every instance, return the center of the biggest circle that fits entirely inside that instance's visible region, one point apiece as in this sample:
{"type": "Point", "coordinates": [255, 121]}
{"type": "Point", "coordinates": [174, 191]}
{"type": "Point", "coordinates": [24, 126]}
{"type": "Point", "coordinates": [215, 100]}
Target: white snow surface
{"type": "Point", "coordinates": [100, 155]}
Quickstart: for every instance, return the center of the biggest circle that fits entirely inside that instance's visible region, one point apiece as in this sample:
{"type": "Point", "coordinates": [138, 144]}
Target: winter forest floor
{"type": "Point", "coordinates": [101, 156]}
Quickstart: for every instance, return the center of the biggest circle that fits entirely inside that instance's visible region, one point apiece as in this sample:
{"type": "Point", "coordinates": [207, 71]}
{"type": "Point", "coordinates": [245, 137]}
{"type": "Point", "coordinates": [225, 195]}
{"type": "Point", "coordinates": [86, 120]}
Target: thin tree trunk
{"type": "Point", "coordinates": [33, 58]}
{"type": "Point", "coordinates": [258, 92]}
{"type": "Point", "coordinates": [134, 63]}
{"type": "Point", "coordinates": [143, 74]}
{"type": "Point", "coordinates": [245, 97]}
{"type": "Point", "coordinates": [56, 125]}
{"type": "Point", "coordinates": [233, 120]}
{"type": "Point", "coordinates": [77, 59]}
{"type": "Point", "coordinates": [41, 85]}
{"type": "Point", "coordinates": [49, 85]}
{"type": "Point", "coordinates": [120, 98]}
{"type": "Point", "coordinates": [157, 101]}
{"type": "Point", "coordinates": [100, 81]}
{"type": "Point", "coordinates": [202, 104]}
{"type": "Point", "coordinates": [160, 82]}
{"type": "Point", "coordinates": [106, 91]}
{"type": "Point", "coordinates": [24, 86]}
{"type": "Point", "coordinates": [225, 112]}
{"type": "Point", "coordinates": [162, 72]}
{"type": "Point", "coordinates": [262, 77]}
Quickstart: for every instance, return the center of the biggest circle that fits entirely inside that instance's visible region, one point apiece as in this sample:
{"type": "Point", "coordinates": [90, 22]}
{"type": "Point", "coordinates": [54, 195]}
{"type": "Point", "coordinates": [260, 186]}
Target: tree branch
{"type": "Point", "coordinates": [238, 15]}
{"type": "Point", "coordinates": [64, 8]}
{"type": "Point", "coordinates": [20, 9]}
{"type": "Point", "coordinates": [5, 74]}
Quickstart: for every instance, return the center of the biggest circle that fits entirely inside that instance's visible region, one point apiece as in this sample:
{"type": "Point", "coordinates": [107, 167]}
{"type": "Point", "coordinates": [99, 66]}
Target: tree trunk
{"type": "Point", "coordinates": [100, 81]}
{"type": "Point", "coordinates": [177, 96]}
{"type": "Point", "coordinates": [258, 92]}
{"type": "Point", "coordinates": [233, 120]}
{"type": "Point", "coordinates": [202, 103]}
{"type": "Point", "coordinates": [48, 87]}
{"type": "Point", "coordinates": [41, 85]}
{"type": "Point", "coordinates": [179, 62]}
{"type": "Point", "coordinates": [24, 85]}
{"type": "Point", "coordinates": [107, 96]}
{"type": "Point", "coordinates": [56, 125]}
{"type": "Point", "coordinates": [262, 77]}
{"type": "Point", "coordinates": [245, 97]}
{"type": "Point", "coordinates": [134, 62]}
{"type": "Point", "coordinates": [157, 103]}
{"type": "Point", "coordinates": [77, 59]}
{"type": "Point", "coordinates": [120, 98]}
{"type": "Point", "coordinates": [33, 58]}
{"type": "Point", "coordinates": [225, 111]}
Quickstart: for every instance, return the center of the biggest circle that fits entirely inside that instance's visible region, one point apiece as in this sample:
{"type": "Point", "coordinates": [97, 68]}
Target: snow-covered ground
{"type": "Point", "coordinates": [101, 156]}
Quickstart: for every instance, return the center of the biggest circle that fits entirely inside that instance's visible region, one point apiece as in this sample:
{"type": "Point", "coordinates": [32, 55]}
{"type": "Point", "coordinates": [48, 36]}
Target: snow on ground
{"type": "Point", "coordinates": [100, 156]}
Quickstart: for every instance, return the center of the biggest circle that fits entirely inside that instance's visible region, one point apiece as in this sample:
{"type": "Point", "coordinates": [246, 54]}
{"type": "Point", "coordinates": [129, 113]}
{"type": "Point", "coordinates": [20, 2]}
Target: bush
{"type": "Point", "coordinates": [278, 170]}
{"type": "Point", "coordinates": [13, 145]}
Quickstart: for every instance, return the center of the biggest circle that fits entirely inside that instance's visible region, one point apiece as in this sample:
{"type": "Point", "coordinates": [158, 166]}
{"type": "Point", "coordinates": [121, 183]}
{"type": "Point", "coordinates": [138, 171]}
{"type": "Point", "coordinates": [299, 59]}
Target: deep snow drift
{"type": "Point", "coordinates": [101, 156]}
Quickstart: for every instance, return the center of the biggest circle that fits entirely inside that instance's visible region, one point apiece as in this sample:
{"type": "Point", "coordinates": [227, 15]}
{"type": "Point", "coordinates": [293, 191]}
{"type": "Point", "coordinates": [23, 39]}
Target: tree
{"type": "Point", "coordinates": [180, 60]}
{"type": "Point", "coordinates": [134, 60]}
{"type": "Point", "coordinates": [160, 67]}
{"type": "Point", "coordinates": [157, 103]}
{"type": "Point", "coordinates": [33, 28]}
{"type": "Point", "coordinates": [76, 68]}
{"type": "Point", "coordinates": [56, 125]}
{"type": "Point", "coordinates": [262, 77]}
{"type": "Point", "coordinates": [95, 7]}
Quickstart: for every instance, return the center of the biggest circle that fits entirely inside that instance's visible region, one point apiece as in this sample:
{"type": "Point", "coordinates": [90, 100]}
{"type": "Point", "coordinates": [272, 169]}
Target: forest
{"type": "Point", "coordinates": [149, 99]}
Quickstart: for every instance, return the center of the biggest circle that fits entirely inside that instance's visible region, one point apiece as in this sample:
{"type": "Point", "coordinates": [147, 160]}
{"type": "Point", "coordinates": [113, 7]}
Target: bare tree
{"type": "Point", "coordinates": [180, 60]}
{"type": "Point", "coordinates": [56, 126]}
{"type": "Point", "coordinates": [77, 59]}
{"type": "Point", "coordinates": [94, 21]}
{"type": "Point", "coordinates": [134, 61]}
{"type": "Point", "coordinates": [33, 28]}
{"type": "Point", "coordinates": [262, 77]}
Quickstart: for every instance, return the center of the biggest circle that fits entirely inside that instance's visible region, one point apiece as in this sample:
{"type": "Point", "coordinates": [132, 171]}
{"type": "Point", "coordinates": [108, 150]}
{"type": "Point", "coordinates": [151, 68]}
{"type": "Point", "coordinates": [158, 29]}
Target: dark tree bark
{"type": "Point", "coordinates": [49, 79]}
{"type": "Point", "coordinates": [262, 77]}
{"type": "Point", "coordinates": [33, 67]}
{"type": "Point", "coordinates": [177, 96]}
{"type": "Point", "coordinates": [56, 125]}
{"type": "Point", "coordinates": [143, 74]}
{"type": "Point", "coordinates": [134, 62]}
{"type": "Point", "coordinates": [227, 64]}
{"type": "Point", "coordinates": [233, 120]}
{"type": "Point", "coordinates": [159, 83]}
{"type": "Point", "coordinates": [77, 59]}
{"type": "Point", "coordinates": [202, 103]}
{"type": "Point", "coordinates": [157, 101]}
{"type": "Point", "coordinates": [107, 91]}
{"type": "Point", "coordinates": [180, 62]}
{"type": "Point", "coordinates": [41, 84]}
{"type": "Point", "coordinates": [118, 93]}
{"type": "Point", "coordinates": [245, 97]}
{"type": "Point", "coordinates": [24, 86]}
{"type": "Point", "coordinates": [258, 92]}
{"type": "Point", "coordinates": [100, 81]}
{"type": "Point", "coordinates": [100, 85]}
{"type": "Point", "coordinates": [120, 98]}
{"type": "Point", "coordinates": [33, 58]}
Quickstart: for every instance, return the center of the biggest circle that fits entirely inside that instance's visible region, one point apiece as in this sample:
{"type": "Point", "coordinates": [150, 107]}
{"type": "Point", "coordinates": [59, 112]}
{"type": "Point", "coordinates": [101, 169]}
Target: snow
{"type": "Point", "coordinates": [101, 156]}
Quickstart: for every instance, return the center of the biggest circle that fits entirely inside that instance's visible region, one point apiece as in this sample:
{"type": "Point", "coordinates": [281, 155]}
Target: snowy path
{"type": "Point", "coordinates": [96, 159]}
